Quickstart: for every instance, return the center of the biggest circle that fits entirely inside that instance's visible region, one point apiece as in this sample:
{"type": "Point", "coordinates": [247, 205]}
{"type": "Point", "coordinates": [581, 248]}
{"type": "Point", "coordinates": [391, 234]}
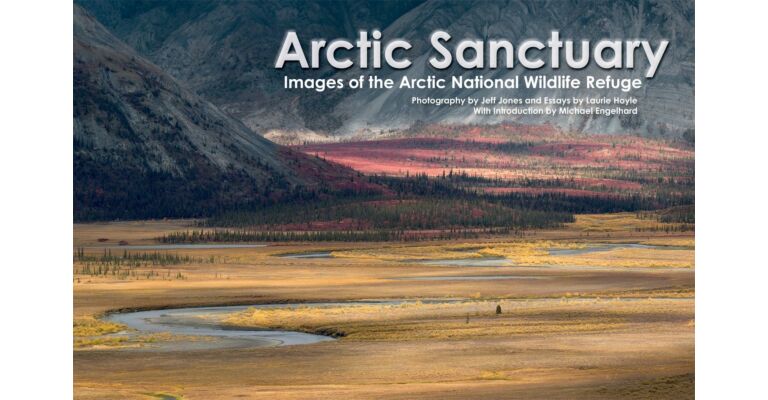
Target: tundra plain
{"type": "Point", "coordinates": [596, 309]}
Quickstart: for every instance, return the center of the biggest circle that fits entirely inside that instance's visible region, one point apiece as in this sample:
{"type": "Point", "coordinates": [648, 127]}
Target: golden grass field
{"type": "Point", "coordinates": [617, 323]}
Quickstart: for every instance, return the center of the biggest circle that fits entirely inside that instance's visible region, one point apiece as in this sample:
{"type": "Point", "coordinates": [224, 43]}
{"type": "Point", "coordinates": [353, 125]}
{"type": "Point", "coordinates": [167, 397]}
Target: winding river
{"type": "Point", "coordinates": [203, 328]}
{"type": "Point", "coordinates": [610, 246]}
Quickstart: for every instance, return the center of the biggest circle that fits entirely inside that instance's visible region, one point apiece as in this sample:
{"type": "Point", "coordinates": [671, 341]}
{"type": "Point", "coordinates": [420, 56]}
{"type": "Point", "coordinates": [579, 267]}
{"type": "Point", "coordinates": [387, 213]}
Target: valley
{"type": "Point", "coordinates": [404, 319]}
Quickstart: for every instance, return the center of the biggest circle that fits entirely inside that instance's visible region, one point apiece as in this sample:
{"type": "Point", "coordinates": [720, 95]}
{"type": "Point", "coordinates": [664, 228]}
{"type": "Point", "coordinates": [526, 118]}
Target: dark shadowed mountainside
{"type": "Point", "coordinates": [147, 147]}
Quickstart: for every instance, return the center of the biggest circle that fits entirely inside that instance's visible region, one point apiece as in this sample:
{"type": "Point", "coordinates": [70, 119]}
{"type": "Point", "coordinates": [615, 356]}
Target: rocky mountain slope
{"type": "Point", "coordinates": [145, 146]}
{"type": "Point", "coordinates": [666, 101]}
{"type": "Point", "coordinates": [225, 52]}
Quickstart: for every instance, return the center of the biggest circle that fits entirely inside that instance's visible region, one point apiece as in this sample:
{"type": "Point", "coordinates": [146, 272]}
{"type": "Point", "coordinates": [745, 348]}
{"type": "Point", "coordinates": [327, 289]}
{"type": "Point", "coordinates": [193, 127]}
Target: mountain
{"type": "Point", "coordinates": [665, 101]}
{"type": "Point", "coordinates": [225, 51]}
{"type": "Point", "coordinates": [146, 147]}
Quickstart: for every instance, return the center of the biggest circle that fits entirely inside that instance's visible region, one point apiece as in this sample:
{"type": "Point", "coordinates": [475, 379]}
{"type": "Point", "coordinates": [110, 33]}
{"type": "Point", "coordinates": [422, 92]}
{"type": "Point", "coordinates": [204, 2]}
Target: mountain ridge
{"type": "Point", "coordinates": [145, 146]}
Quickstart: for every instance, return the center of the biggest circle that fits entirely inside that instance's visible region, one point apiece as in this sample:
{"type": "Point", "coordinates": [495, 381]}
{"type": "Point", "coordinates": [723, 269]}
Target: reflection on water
{"type": "Point", "coordinates": [317, 254]}
{"type": "Point", "coordinates": [608, 247]}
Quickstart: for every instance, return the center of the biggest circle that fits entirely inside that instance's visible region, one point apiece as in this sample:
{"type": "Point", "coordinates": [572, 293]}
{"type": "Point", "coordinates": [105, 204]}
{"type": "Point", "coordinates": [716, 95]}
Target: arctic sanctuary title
{"type": "Point", "coordinates": [473, 53]}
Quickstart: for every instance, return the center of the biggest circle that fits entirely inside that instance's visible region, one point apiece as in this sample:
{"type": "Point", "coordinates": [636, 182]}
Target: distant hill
{"type": "Point", "coordinates": [147, 147]}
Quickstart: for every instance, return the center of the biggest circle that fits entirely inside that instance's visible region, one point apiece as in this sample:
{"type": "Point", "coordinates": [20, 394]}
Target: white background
{"type": "Point", "coordinates": [36, 196]}
{"type": "Point", "coordinates": [731, 200]}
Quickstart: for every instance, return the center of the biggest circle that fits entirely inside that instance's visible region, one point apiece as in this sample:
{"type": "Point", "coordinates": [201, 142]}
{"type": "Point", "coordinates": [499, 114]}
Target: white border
{"type": "Point", "coordinates": [36, 73]}
{"type": "Point", "coordinates": [36, 163]}
{"type": "Point", "coordinates": [731, 156]}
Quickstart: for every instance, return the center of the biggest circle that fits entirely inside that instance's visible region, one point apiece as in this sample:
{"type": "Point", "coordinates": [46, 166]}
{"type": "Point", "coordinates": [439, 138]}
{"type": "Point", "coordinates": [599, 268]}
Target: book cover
{"type": "Point", "coordinates": [310, 199]}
